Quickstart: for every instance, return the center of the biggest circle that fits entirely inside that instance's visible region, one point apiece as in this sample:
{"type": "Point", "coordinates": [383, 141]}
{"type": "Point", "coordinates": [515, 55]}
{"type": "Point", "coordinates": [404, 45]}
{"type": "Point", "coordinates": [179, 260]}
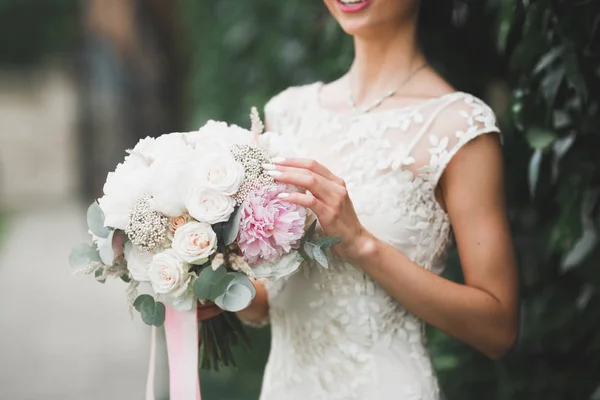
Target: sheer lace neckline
{"type": "Point", "coordinates": [316, 100]}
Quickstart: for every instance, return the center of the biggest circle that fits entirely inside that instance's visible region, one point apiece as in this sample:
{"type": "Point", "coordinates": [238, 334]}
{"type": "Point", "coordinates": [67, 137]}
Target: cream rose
{"type": "Point", "coordinates": [194, 242]}
{"type": "Point", "coordinates": [209, 205]}
{"type": "Point", "coordinates": [138, 262]}
{"type": "Point", "coordinates": [219, 171]}
{"type": "Point", "coordinates": [170, 278]}
{"type": "Point", "coordinates": [176, 223]}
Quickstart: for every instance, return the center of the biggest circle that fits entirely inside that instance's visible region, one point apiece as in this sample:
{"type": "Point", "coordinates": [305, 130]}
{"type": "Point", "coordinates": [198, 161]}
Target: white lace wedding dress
{"type": "Point", "coordinates": [336, 334]}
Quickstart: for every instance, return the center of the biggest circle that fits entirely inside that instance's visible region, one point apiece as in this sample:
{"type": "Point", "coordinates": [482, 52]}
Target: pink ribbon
{"type": "Point", "coordinates": [181, 330]}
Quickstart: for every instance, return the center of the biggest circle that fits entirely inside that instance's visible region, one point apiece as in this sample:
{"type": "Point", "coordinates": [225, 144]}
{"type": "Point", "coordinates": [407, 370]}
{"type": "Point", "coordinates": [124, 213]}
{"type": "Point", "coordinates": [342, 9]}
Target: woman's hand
{"type": "Point", "coordinates": [326, 195]}
{"type": "Point", "coordinates": [207, 311]}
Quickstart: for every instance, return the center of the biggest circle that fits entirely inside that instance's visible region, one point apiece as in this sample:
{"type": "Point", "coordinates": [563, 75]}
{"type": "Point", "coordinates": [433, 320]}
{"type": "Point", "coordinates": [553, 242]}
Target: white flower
{"type": "Point", "coordinates": [208, 205]}
{"type": "Point", "coordinates": [194, 242]}
{"type": "Point", "coordinates": [138, 262]}
{"type": "Point", "coordinates": [218, 171]}
{"type": "Point", "coordinates": [276, 144]}
{"type": "Point", "coordinates": [166, 147]}
{"type": "Point", "coordinates": [122, 189]}
{"type": "Point", "coordinates": [286, 266]}
{"type": "Point", "coordinates": [170, 278]}
{"type": "Point", "coordinates": [169, 179]}
{"type": "Point", "coordinates": [219, 134]}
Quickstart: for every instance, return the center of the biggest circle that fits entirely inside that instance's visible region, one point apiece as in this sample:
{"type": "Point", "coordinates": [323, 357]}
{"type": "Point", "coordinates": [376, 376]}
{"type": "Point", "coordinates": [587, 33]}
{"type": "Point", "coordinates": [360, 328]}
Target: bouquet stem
{"type": "Point", "coordinates": [218, 335]}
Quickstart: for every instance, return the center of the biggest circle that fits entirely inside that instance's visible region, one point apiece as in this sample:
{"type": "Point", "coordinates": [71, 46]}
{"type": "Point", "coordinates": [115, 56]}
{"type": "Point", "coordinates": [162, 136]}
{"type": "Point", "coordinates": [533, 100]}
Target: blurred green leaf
{"type": "Point", "coordinates": [540, 138]}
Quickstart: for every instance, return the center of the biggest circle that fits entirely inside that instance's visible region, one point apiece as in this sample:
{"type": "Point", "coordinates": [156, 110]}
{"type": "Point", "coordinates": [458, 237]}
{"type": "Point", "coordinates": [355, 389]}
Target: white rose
{"type": "Point", "coordinates": [208, 205]}
{"type": "Point", "coordinates": [218, 171]}
{"type": "Point", "coordinates": [286, 266]}
{"type": "Point", "coordinates": [169, 179]}
{"type": "Point", "coordinates": [170, 278]}
{"type": "Point", "coordinates": [138, 262]}
{"type": "Point", "coordinates": [219, 134]}
{"type": "Point", "coordinates": [167, 146]}
{"type": "Point", "coordinates": [122, 189]}
{"type": "Point", "coordinates": [194, 242]}
{"type": "Point", "coordinates": [277, 144]}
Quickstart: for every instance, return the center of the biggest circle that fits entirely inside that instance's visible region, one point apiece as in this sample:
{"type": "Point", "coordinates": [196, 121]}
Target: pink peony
{"type": "Point", "coordinates": [270, 227]}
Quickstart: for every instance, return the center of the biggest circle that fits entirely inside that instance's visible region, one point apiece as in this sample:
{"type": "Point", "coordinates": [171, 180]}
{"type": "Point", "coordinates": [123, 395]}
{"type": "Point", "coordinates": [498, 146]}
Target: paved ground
{"type": "Point", "coordinates": [63, 337]}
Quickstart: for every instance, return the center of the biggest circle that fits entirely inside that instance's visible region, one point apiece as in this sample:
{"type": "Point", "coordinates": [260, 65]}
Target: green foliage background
{"type": "Point", "coordinates": [239, 53]}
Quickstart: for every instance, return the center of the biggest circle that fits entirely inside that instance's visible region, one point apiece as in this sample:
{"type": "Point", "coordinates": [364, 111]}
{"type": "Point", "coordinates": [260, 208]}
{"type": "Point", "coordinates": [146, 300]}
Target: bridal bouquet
{"type": "Point", "coordinates": [194, 217]}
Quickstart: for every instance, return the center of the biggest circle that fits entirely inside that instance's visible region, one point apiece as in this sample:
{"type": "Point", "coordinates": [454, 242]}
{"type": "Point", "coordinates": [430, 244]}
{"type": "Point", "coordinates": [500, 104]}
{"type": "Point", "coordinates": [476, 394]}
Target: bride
{"type": "Point", "coordinates": [392, 160]}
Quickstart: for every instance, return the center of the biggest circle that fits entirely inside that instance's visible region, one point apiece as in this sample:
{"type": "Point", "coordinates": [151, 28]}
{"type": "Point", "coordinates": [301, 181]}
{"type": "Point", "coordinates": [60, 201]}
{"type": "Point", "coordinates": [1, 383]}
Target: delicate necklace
{"type": "Point", "coordinates": [386, 96]}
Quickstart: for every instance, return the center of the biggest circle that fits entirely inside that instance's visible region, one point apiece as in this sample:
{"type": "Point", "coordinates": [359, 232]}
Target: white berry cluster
{"type": "Point", "coordinates": [252, 158]}
{"type": "Point", "coordinates": [146, 229]}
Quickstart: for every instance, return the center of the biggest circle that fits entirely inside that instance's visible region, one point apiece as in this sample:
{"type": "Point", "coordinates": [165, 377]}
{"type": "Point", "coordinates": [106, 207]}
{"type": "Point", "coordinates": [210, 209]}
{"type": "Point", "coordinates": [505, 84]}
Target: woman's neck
{"type": "Point", "coordinates": [382, 63]}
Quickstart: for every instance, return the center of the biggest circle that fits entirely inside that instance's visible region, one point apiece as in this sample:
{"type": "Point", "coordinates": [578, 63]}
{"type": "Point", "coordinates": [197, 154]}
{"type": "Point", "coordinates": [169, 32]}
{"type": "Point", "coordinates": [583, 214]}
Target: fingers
{"type": "Point", "coordinates": [316, 184]}
{"type": "Point", "coordinates": [311, 165]}
{"type": "Point", "coordinates": [309, 201]}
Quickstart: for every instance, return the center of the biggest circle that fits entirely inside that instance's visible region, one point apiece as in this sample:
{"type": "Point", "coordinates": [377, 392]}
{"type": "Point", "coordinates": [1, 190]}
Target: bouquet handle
{"type": "Point", "coordinates": [181, 331]}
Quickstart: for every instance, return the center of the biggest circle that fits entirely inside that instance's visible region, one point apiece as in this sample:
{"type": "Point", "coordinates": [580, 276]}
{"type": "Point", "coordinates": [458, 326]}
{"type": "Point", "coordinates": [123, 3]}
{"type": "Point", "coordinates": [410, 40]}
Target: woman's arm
{"type": "Point", "coordinates": [483, 312]}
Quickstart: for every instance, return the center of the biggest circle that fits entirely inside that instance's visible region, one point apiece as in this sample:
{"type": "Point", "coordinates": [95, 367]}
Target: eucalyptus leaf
{"type": "Point", "coordinates": [95, 221]}
{"type": "Point", "coordinates": [159, 314]}
{"type": "Point", "coordinates": [242, 279]}
{"type": "Point", "coordinates": [152, 312]}
{"type": "Point", "coordinates": [308, 250]}
{"type": "Point", "coordinates": [232, 227]}
{"type": "Point", "coordinates": [137, 303]}
{"type": "Point", "coordinates": [309, 232]}
{"type": "Point", "coordinates": [235, 299]}
{"type": "Point", "coordinates": [321, 257]}
{"type": "Point", "coordinates": [107, 254]}
{"type": "Point", "coordinates": [206, 281]}
{"type": "Point", "coordinates": [82, 255]}
{"type": "Point", "coordinates": [125, 278]}
{"type": "Point", "coordinates": [327, 242]}
{"type": "Point", "coordinates": [222, 286]}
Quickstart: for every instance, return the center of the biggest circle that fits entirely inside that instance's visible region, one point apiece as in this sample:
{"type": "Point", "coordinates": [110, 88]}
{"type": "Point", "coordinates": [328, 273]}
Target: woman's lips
{"type": "Point", "coordinates": [353, 7]}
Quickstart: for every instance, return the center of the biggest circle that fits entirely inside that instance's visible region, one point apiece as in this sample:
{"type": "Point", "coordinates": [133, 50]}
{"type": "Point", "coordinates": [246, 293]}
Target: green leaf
{"type": "Point", "coordinates": [242, 279]}
{"type": "Point", "coordinates": [206, 281]}
{"type": "Point", "coordinates": [321, 257]}
{"type": "Point", "coordinates": [98, 273]}
{"type": "Point", "coordinates": [507, 15]}
{"type": "Point", "coordinates": [159, 314]}
{"type": "Point", "coordinates": [548, 59]}
{"type": "Point", "coordinates": [232, 227]}
{"type": "Point", "coordinates": [137, 303]}
{"type": "Point", "coordinates": [95, 221]}
{"type": "Point", "coordinates": [539, 138]}
{"type": "Point", "coordinates": [327, 242]}
{"type": "Point", "coordinates": [534, 171]}
{"type": "Point", "coordinates": [125, 278]}
{"type": "Point", "coordinates": [235, 299]}
{"type": "Point", "coordinates": [82, 255]}
{"type": "Point", "coordinates": [317, 254]}
{"type": "Point", "coordinates": [573, 72]}
{"type": "Point", "coordinates": [152, 312]}
{"type": "Point", "coordinates": [107, 254]}
{"type": "Point", "coordinates": [309, 232]}
{"type": "Point", "coordinates": [221, 286]}
{"type": "Point", "coordinates": [308, 250]}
